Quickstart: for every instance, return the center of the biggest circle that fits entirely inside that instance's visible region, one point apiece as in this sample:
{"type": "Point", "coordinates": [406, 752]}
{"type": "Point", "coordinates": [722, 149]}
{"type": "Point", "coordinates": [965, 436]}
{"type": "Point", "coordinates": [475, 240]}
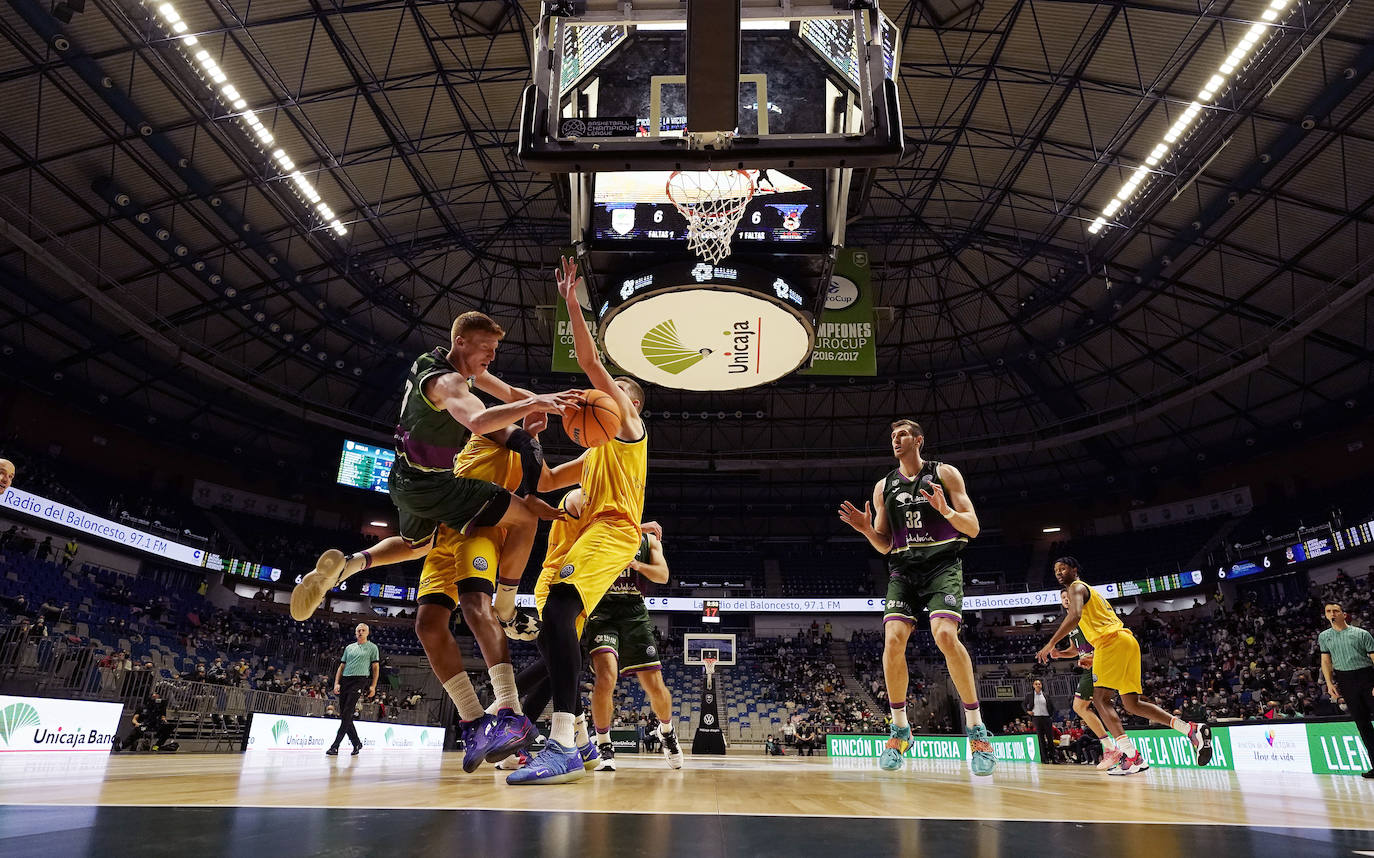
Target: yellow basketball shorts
{"type": "Point", "coordinates": [602, 551]}
{"type": "Point", "coordinates": [1116, 663]}
{"type": "Point", "coordinates": [460, 564]}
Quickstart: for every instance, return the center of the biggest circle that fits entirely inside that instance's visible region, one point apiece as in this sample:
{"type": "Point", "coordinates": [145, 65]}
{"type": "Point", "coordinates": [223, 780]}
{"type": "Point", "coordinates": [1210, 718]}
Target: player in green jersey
{"type": "Point", "coordinates": [921, 517]}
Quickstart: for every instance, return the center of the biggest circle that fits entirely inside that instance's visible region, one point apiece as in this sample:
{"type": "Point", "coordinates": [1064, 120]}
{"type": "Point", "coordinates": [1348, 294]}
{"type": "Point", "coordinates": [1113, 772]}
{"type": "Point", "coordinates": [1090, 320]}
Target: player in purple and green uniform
{"type": "Point", "coordinates": [439, 415]}
{"type": "Point", "coordinates": [921, 517]}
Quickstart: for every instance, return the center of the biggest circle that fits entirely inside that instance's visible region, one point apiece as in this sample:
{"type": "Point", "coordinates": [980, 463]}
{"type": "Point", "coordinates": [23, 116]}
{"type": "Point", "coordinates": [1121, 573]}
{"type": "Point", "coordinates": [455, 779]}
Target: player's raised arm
{"type": "Point", "coordinates": [871, 521]}
{"type": "Point", "coordinates": [490, 384]}
{"type": "Point", "coordinates": [562, 476]}
{"type": "Point", "coordinates": [450, 392]}
{"type": "Point", "coordinates": [631, 425]}
{"type": "Point", "coordinates": [656, 569]}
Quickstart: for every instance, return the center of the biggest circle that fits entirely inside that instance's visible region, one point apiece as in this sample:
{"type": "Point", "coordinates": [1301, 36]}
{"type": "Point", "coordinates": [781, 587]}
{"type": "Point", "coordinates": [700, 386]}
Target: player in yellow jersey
{"type": "Point", "coordinates": [1116, 670]}
{"type": "Point", "coordinates": [612, 478]}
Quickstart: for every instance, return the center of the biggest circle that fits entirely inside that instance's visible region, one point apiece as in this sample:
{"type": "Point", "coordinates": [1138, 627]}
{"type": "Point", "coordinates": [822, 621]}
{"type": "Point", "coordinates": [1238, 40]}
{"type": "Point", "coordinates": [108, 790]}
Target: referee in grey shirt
{"type": "Point", "coordinates": [1348, 665]}
{"type": "Point", "coordinates": [359, 665]}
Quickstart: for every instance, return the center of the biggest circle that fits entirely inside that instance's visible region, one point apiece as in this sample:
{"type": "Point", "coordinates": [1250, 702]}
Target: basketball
{"type": "Point", "coordinates": [596, 422]}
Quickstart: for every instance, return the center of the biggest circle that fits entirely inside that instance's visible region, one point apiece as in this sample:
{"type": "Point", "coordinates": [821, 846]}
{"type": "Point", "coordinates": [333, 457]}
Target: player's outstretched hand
{"type": "Point", "coordinates": [859, 519]}
{"type": "Point", "coordinates": [542, 510]}
{"type": "Point", "coordinates": [653, 528]}
{"type": "Point", "coordinates": [567, 278]}
{"type": "Point", "coordinates": [1043, 656]}
{"type": "Point", "coordinates": [560, 402]}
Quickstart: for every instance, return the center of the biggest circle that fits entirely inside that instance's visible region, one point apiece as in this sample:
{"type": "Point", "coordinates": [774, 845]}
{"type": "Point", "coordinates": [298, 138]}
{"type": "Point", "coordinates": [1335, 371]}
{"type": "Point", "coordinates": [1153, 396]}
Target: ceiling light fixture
{"type": "Point", "coordinates": [1253, 37]}
{"type": "Point", "coordinates": [218, 80]}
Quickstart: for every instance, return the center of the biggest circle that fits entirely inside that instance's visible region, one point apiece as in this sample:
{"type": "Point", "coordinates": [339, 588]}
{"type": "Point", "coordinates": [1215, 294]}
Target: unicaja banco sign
{"type": "Point", "coordinates": [703, 327]}
{"type": "Point", "coordinates": [46, 724]}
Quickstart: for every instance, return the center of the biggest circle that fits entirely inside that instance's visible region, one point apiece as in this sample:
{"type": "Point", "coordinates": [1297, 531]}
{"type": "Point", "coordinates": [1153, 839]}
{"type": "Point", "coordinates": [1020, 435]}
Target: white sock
{"type": "Point", "coordinates": [503, 687]}
{"type": "Point", "coordinates": [1125, 745]}
{"type": "Point", "coordinates": [562, 731]}
{"type": "Point", "coordinates": [665, 728]}
{"type": "Point", "coordinates": [1108, 744]}
{"type": "Point", "coordinates": [973, 717]}
{"type": "Point", "coordinates": [899, 718]}
{"type": "Point", "coordinates": [1181, 726]}
{"type": "Point", "coordinates": [580, 730]}
{"type": "Point", "coordinates": [505, 600]}
{"type": "Point", "coordinates": [493, 708]}
{"type": "Point", "coordinates": [464, 696]}
{"type": "Point", "coordinates": [603, 736]}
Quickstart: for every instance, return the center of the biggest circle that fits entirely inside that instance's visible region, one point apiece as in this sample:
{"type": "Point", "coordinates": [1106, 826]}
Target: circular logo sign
{"type": "Point", "coordinates": [565, 571]}
{"type": "Point", "coordinates": [573, 128]}
{"type": "Point", "coordinates": [479, 563]}
{"type": "Point", "coordinates": [841, 294]}
{"type": "Point", "coordinates": [708, 719]}
{"type": "Point", "coordinates": [706, 339]}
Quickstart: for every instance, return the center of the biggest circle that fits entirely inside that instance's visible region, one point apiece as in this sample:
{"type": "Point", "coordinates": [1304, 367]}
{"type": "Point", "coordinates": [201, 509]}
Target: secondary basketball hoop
{"type": "Point", "coordinates": [712, 201]}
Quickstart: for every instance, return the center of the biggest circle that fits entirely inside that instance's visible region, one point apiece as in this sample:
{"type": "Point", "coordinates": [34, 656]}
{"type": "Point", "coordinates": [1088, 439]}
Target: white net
{"type": "Point", "coordinates": [713, 201]}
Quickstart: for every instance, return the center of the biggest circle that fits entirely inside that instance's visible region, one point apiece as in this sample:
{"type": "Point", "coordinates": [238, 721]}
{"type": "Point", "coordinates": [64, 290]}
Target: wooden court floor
{"type": "Point", "coordinates": [303, 803]}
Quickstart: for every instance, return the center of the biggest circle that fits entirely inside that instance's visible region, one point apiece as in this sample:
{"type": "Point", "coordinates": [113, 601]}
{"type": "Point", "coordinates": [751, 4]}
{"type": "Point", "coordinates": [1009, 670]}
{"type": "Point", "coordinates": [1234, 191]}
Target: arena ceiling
{"type": "Point", "coordinates": [158, 262]}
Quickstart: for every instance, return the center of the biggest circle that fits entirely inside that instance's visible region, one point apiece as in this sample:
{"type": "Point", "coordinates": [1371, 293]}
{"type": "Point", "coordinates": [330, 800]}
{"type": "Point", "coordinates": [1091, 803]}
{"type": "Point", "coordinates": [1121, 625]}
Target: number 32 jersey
{"type": "Point", "coordinates": [920, 535]}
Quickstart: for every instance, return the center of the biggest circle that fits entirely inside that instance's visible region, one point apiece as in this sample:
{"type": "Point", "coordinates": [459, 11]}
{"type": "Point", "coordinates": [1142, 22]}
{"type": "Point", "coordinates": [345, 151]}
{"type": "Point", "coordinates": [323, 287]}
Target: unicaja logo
{"type": "Point", "coordinates": [280, 731]}
{"type": "Point", "coordinates": [663, 348]}
{"type": "Point", "coordinates": [386, 737]}
{"type": "Point", "coordinates": [16, 717]}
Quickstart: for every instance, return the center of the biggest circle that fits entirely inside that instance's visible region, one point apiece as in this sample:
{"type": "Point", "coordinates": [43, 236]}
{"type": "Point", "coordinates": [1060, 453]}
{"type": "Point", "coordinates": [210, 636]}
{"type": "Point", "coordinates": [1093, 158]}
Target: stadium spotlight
{"type": "Point", "coordinates": [217, 80]}
{"type": "Point", "coordinates": [1253, 36]}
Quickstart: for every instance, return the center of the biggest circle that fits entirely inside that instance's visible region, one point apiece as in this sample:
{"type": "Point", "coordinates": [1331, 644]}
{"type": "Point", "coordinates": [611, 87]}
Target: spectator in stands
{"type": "Point", "coordinates": [9, 537]}
{"type": "Point", "coordinates": [69, 553]}
{"type": "Point", "coordinates": [771, 747]}
{"type": "Point", "coordinates": [789, 733]}
{"type": "Point", "coordinates": [44, 549]}
{"type": "Point", "coordinates": [806, 738]}
{"type": "Point", "coordinates": [149, 720]}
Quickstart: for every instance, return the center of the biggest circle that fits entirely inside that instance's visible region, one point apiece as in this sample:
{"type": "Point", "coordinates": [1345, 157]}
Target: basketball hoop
{"type": "Point", "coordinates": [713, 201]}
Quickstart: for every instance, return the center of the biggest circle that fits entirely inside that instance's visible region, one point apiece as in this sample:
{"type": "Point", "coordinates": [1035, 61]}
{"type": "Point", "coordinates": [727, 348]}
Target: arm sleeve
{"type": "Point", "coordinates": [1368, 642]}
{"type": "Point", "coordinates": [531, 460]}
{"type": "Point", "coordinates": [1321, 643]}
{"type": "Point", "coordinates": [376, 654]}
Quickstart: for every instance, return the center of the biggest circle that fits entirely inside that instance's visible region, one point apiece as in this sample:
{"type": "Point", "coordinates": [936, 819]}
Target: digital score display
{"type": "Point", "coordinates": [364, 466]}
{"type": "Point", "coordinates": [1159, 584]}
{"type": "Point", "coordinates": [256, 571]}
{"type": "Point", "coordinates": [1309, 549]}
{"type": "Point", "coordinates": [1353, 537]}
{"type": "Point", "coordinates": [584, 47]}
{"type": "Point", "coordinates": [786, 207]}
{"type": "Point", "coordinates": [377, 590]}
{"type": "Point", "coordinates": [710, 611]}
{"type": "Point", "coordinates": [833, 39]}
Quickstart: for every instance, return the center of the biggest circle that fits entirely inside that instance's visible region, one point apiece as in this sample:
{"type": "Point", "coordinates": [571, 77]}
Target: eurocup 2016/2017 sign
{"type": "Point", "coordinates": [703, 327]}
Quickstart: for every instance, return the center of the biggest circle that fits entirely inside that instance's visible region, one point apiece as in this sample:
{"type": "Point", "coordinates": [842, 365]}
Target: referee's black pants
{"type": "Point", "coordinates": [1044, 728]}
{"type": "Point", "coordinates": [1357, 687]}
{"type": "Point", "coordinates": [350, 689]}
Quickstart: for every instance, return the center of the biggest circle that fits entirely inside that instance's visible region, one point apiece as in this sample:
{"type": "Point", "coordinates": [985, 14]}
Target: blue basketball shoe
{"type": "Point", "coordinates": [981, 759]}
{"type": "Point", "coordinates": [891, 760]}
{"type": "Point", "coordinates": [476, 741]}
{"type": "Point", "coordinates": [556, 764]}
{"type": "Point", "coordinates": [509, 733]}
{"type": "Point", "coordinates": [591, 757]}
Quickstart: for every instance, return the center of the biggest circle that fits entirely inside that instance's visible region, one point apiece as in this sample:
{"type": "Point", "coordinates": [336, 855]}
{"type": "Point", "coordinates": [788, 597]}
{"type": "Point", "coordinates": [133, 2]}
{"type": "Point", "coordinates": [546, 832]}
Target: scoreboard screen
{"type": "Point", "coordinates": [378, 590]}
{"type": "Point", "coordinates": [364, 466]}
{"type": "Point", "coordinates": [1160, 584]}
{"type": "Point", "coordinates": [833, 39]}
